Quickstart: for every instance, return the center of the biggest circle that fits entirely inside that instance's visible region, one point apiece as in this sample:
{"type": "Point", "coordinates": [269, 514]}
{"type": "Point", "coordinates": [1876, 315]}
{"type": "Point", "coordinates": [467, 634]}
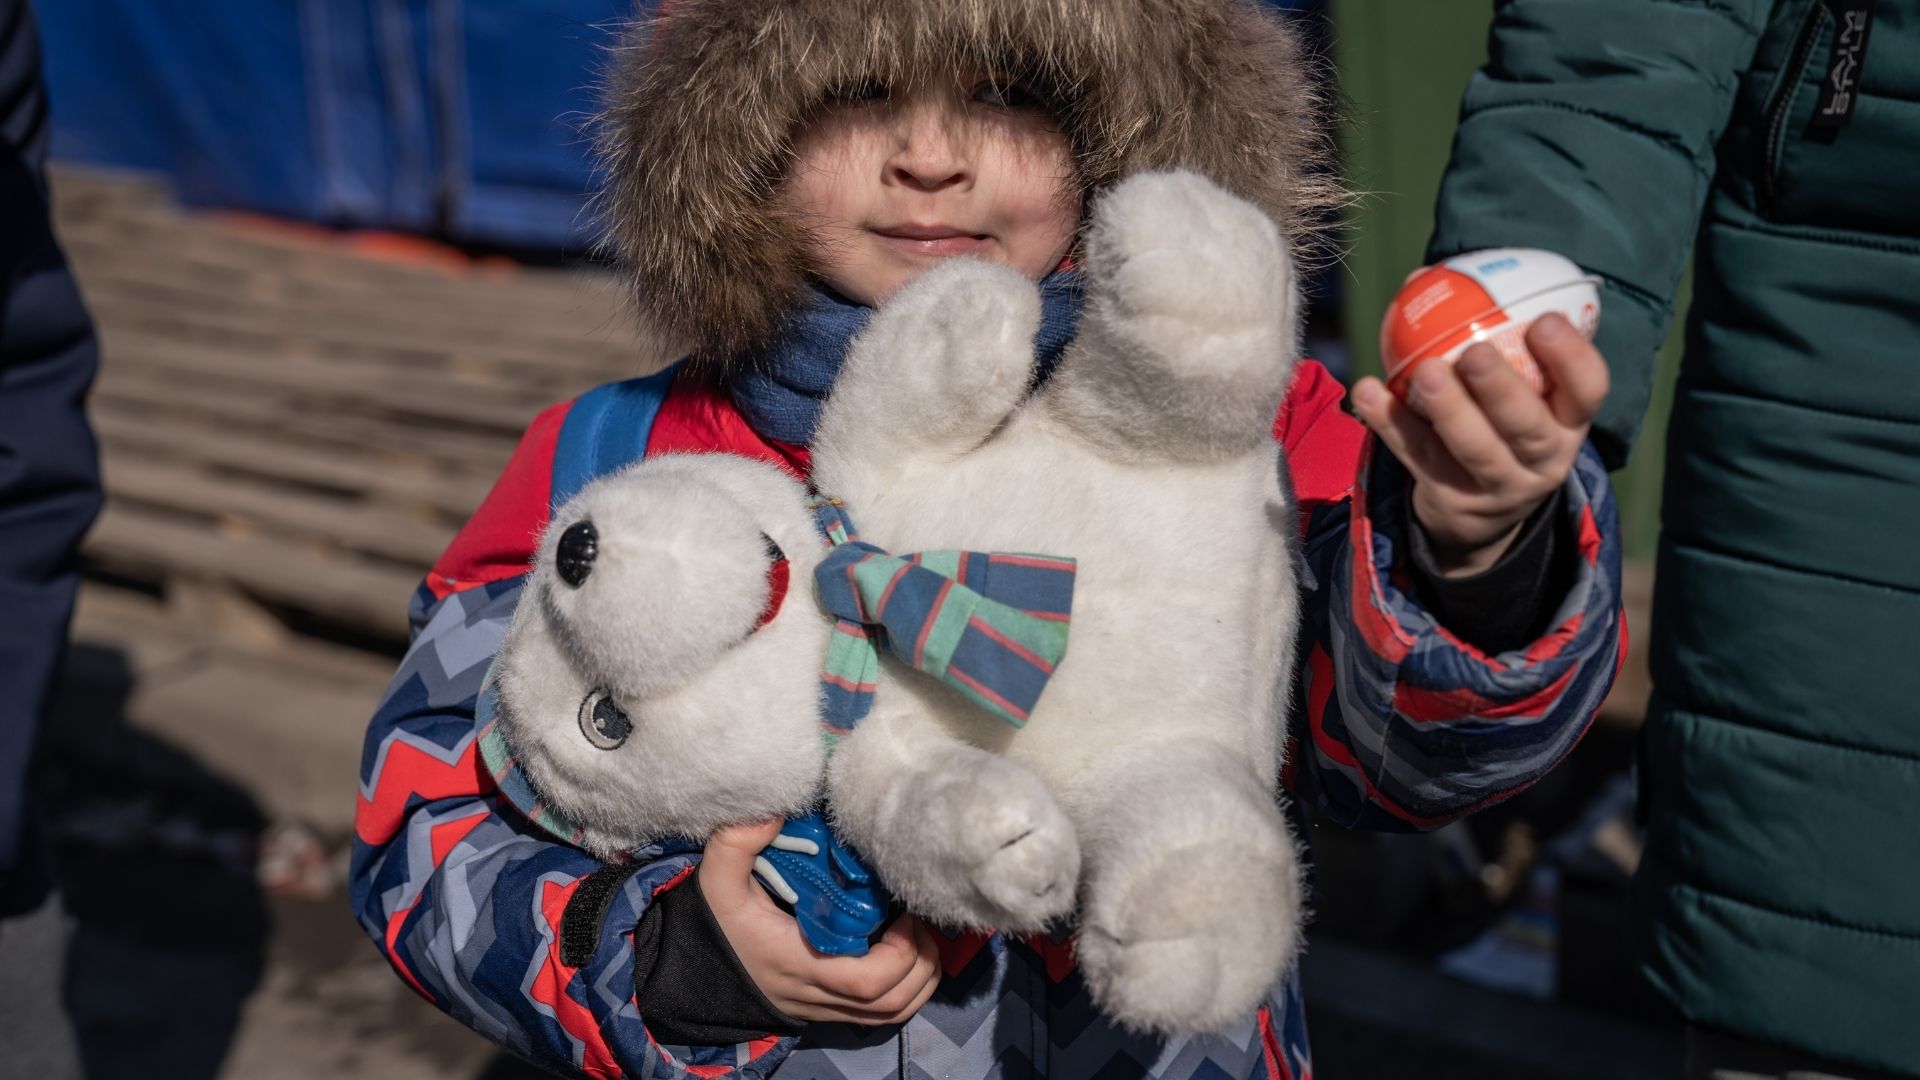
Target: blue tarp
{"type": "Point", "coordinates": [464, 118]}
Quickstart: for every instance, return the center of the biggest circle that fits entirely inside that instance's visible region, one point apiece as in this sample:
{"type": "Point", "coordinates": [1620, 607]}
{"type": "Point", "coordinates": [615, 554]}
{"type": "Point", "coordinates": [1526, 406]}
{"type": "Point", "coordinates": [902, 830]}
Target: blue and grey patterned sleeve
{"type": "Point", "coordinates": [466, 898]}
{"type": "Point", "coordinates": [1400, 725]}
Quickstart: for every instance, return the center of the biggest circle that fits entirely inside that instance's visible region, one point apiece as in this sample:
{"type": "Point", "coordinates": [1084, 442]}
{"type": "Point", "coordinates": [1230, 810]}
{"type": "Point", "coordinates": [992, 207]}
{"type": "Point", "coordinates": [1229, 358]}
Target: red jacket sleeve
{"type": "Point", "coordinates": [1322, 442]}
{"type": "Point", "coordinates": [497, 542]}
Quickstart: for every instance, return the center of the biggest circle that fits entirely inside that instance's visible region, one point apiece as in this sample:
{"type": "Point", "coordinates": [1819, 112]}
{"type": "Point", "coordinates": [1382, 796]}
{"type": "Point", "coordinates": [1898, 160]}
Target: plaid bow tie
{"type": "Point", "coordinates": [990, 625]}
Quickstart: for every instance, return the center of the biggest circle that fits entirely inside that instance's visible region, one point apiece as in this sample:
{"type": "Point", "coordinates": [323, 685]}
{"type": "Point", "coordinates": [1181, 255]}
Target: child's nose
{"type": "Point", "coordinates": [930, 153]}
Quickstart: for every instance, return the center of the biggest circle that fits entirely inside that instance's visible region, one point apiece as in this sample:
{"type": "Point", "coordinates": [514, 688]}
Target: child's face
{"type": "Point", "coordinates": [891, 183]}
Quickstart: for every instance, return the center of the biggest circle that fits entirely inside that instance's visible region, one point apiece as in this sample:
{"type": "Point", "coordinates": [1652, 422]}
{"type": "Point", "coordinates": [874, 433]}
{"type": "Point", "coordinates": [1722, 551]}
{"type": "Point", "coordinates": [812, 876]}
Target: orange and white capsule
{"type": "Point", "coordinates": [1490, 296]}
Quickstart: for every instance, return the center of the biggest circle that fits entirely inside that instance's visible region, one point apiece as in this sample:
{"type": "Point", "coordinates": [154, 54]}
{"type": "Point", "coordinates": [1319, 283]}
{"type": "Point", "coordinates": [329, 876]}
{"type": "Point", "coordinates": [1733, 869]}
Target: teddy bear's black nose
{"type": "Point", "coordinates": [578, 547]}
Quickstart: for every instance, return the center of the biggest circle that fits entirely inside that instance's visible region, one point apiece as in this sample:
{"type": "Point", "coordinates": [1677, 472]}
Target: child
{"type": "Point", "coordinates": [778, 169]}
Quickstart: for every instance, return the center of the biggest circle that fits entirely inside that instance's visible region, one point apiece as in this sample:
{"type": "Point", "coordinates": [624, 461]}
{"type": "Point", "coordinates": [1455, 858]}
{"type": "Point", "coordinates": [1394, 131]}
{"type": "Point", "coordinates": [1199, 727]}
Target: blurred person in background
{"type": "Point", "coordinates": [49, 493]}
{"type": "Point", "coordinates": [1777, 142]}
{"type": "Point", "coordinates": [49, 475]}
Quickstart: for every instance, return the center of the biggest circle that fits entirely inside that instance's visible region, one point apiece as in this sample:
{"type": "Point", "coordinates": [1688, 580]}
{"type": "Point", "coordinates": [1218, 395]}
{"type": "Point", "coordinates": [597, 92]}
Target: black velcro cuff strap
{"type": "Point", "coordinates": [587, 912]}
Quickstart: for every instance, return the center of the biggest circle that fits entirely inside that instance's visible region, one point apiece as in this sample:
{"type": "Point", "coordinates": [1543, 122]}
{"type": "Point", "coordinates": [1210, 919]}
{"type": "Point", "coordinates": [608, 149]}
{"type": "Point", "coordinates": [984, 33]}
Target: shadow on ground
{"type": "Point", "coordinates": [155, 862]}
{"type": "Point", "coordinates": [172, 962]}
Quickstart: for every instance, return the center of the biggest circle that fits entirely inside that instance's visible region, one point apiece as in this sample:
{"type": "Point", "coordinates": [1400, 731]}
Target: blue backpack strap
{"type": "Point", "coordinates": [606, 430]}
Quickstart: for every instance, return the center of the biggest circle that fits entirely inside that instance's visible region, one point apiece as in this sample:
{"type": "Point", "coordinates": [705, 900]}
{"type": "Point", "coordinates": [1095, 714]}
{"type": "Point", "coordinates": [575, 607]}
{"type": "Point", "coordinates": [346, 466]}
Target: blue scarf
{"type": "Point", "coordinates": [781, 388]}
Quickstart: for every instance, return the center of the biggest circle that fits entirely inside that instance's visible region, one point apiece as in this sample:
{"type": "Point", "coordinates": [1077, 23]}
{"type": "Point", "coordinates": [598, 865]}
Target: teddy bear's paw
{"type": "Point", "coordinates": [1013, 845]}
{"type": "Point", "coordinates": [949, 356]}
{"type": "Point", "coordinates": [975, 322]}
{"type": "Point", "coordinates": [1175, 246]}
{"type": "Point", "coordinates": [1188, 336]}
{"type": "Point", "coordinates": [1193, 940]}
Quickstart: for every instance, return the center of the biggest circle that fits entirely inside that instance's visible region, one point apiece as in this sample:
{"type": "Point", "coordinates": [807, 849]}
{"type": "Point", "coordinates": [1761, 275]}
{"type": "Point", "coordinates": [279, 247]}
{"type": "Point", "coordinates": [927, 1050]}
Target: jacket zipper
{"type": "Point", "coordinates": [1796, 69]}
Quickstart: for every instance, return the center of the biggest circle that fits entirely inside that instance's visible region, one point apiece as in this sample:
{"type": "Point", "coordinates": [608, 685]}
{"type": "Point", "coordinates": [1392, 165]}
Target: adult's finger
{"type": "Point", "coordinates": [1462, 426]}
{"type": "Point", "coordinates": [1577, 373]}
{"type": "Point", "coordinates": [1519, 415]}
{"type": "Point", "coordinates": [1405, 432]}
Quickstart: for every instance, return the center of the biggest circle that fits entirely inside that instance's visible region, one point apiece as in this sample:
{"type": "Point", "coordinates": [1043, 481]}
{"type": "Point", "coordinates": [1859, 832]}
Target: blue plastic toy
{"type": "Point", "coordinates": [839, 904]}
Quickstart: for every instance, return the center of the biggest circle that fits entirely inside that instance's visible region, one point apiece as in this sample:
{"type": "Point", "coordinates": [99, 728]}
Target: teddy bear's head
{"type": "Point", "coordinates": [661, 676]}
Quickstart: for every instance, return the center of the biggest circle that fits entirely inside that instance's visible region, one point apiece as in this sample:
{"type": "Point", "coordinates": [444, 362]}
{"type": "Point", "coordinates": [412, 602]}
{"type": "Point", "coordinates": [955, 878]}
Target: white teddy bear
{"type": "Point", "coordinates": [1144, 785]}
{"type": "Point", "coordinates": [1142, 791]}
{"type": "Point", "coordinates": [644, 686]}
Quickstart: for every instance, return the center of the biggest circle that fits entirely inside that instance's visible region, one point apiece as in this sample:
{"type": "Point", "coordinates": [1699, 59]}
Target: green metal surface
{"type": "Point", "coordinates": [1403, 66]}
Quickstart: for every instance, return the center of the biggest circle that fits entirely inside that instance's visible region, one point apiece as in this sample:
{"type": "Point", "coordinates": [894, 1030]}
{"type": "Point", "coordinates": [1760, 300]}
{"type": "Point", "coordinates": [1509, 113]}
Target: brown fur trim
{"type": "Point", "coordinates": [705, 97]}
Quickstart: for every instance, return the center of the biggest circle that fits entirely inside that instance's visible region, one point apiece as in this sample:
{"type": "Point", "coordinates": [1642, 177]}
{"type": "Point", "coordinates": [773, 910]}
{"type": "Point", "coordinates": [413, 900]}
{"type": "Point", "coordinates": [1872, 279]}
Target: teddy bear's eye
{"type": "Point", "coordinates": [605, 724]}
{"type": "Point", "coordinates": [774, 554]}
{"type": "Point", "coordinates": [578, 547]}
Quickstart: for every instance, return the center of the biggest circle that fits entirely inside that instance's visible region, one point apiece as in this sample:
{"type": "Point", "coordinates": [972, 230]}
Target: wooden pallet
{"type": "Point", "coordinates": [288, 422]}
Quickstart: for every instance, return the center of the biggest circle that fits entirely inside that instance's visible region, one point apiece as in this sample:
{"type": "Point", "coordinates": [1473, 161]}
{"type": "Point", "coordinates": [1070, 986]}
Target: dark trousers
{"type": "Point", "coordinates": [49, 473]}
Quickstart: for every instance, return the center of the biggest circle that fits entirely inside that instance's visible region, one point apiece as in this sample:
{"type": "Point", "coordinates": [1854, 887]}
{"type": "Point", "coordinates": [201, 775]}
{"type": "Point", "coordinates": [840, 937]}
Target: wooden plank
{"type": "Point", "coordinates": [312, 521]}
{"type": "Point", "coordinates": [366, 390]}
{"type": "Point", "coordinates": [82, 190]}
{"type": "Point", "coordinates": [287, 415]}
{"type": "Point", "coordinates": [150, 546]}
{"type": "Point", "coordinates": [354, 377]}
{"type": "Point", "coordinates": [254, 326]}
{"type": "Point", "coordinates": [558, 302]}
{"type": "Point", "coordinates": [156, 637]}
{"type": "Point", "coordinates": [590, 339]}
{"type": "Point", "coordinates": [125, 433]}
{"type": "Point", "coordinates": [316, 255]}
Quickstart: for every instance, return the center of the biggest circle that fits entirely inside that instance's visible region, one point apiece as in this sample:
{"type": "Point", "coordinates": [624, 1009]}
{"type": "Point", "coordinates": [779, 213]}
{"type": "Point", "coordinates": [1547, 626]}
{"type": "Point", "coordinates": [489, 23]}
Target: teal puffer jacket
{"type": "Point", "coordinates": [1779, 897]}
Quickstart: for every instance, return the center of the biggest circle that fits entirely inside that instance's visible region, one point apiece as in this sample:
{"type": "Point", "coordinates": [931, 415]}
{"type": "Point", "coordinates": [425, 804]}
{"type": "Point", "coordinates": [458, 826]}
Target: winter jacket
{"type": "Point", "coordinates": [49, 474]}
{"type": "Point", "coordinates": [1401, 726]}
{"type": "Point", "coordinates": [1778, 143]}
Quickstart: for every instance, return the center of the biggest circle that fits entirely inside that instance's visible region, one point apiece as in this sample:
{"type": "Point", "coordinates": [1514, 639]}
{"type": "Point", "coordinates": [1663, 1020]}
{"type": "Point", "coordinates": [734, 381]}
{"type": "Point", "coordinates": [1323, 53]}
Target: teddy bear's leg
{"type": "Point", "coordinates": [964, 837]}
{"type": "Point", "coordinates": [1192, 906]}
{"type": "Point", "coordinates": [937, 369]}
{"type": "Point", "coordinates": [1189, 333]}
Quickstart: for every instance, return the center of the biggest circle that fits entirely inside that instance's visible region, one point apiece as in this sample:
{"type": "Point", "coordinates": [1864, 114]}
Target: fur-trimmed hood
{"type": "Point", "coordinates": [706, 96]}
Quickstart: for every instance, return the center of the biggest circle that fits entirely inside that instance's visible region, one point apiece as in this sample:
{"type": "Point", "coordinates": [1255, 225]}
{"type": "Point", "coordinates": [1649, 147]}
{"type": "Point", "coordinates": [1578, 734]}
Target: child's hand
{"type": "Point", "coordinates": [886, 986]}
{"type": "Point", "coordinates": [1488, 450]}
